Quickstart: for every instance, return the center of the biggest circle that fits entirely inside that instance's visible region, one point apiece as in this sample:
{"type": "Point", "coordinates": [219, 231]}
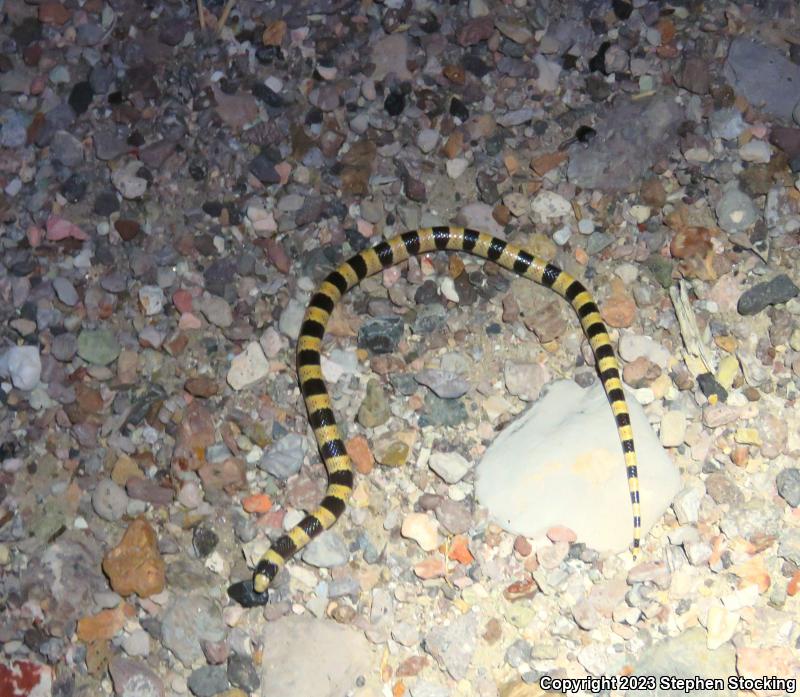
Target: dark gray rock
{"type": "Point", "coordinates": [788, 482]}
{"type": "Point", "coordinates": [780, 289]}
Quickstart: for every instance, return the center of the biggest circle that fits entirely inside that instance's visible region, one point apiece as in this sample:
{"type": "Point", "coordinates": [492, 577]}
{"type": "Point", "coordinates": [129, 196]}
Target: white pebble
{"type": "Point", "coordinates": [23, 366]}
{"type": "Point", "coordinates": [421, 528]}
{"type": "Point", "coordinates": [248, 367]}
{"type": "Point", "coordinates": [586, 226]}
{"type": "Point", "coordinates": [151, 299]}
{"type": "Point", "coordinates": [456, 167]}
{"type": "Point", "coordinates": [448, 289]}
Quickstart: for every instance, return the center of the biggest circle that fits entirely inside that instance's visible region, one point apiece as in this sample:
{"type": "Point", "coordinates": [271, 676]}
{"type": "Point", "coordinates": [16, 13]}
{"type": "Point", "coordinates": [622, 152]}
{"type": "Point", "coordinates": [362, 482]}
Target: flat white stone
{"type": "Point", "coordinates": [248, 367]}
{"type": "Point", "coordinates": [561, 463]}
{"type": "Point", "coordinates": [549, 204]}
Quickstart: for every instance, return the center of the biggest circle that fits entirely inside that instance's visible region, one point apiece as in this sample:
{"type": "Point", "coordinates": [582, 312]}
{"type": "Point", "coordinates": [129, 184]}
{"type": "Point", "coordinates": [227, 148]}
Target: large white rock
{"type": "Point", "coordinates": [561, 462]}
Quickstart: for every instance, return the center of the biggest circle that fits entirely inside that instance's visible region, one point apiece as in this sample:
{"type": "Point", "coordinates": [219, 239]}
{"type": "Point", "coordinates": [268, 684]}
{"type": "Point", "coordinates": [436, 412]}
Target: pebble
{"type": "Point", "coordinates": [779, 290]}
{"type": "Point", "coordinates": [109, 500]}
{"type": "Point", "coordinates": [189, 621]}
{"type": "Point", "coordinates": [248, 368]}
{"type": "Point", "coordinates": [137, 643]}
{"type": "Point", "coordinates": [673, 429]}
{"type": "Point", "coordinates": [135, 564]}
{"type": "Point", "coordinates": [422, 529]}
{"type": "Point", "coordinates": [451, 466]}
{"type": "Point", "coordinates": [427, 140]}
{"type": "Point", "coordinates": [22, 365]}
{"type": "Point", "coordinates": [755, 151]}
{"type": "Point", "coordinates": [208, 681]}
{"type": "Point", "coordinates": [788, 482]}
{"type": "Point", "coordinates": [285, 458]}
{"type": "Point", "coordinates": [131, 677]}
{"type": "Point", "coordinates": [374, 410]}
{"type": "Point", "coordinates": [548, 205]}
{"type": "Point", "coordinates": [65, 291]}
{"type": "Point", "coordinates": [98, 346]}
{"type": "Point", "coordinates": [443, 383]}
{"type": "Point", "coordinates": [735, 211]}
{"type": "Point", "coordinates": [242, 673]}
{"type": "Point", "coordinates": [327, 550]}
{"type": "Point", "coordinates": [381, 334]}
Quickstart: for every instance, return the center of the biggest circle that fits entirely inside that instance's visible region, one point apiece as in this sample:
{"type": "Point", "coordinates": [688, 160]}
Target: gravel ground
{"type": "Point", "coordinates": [173, 186]}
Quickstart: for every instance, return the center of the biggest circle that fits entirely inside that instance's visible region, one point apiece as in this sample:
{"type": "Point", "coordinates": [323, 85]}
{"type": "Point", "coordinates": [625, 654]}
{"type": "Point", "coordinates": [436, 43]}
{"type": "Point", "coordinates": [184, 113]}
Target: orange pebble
{"type": "Point", "coordinates": [459, 551]}
{"type": "Point", "coordinates": [360, 454]}
{"type": "Point", "coordinates": [257, 503]}
{"type": "Point", "coordinates": [794, 584]}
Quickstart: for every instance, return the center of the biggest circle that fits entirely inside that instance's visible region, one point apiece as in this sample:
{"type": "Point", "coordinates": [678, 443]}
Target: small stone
{"type": "Point", "coordinates": [755, 151]}
{"type": "Point", "coordinates": [327, 551]}
{"type": "Point", "coordinates": [208, 681]}
{"type": "Point", "coordinates": [127, 181]}
{"type": "Point", "coordinates": [548, 205]}
{"type": "Point", "coordinates": [779, 290]}
{"type": "Point", "coordinates": [673, 429]}
{"type": "Point", "coordinates": [285, 458]}
{"type": "Point", "coordinates": [135, 564]}
{"type": "Point", "coordinates": [381, 334]}
{"type": "Point", "coordinates": [395, 103]}
{"type": "Point", "coordinates": [421, 528]}
{"type": "Point", "coordinates": [152, 299]}
{"type": "Point", "coordinates": [451, 467]}
{"type": "Point", "coordinates": [427, 140]}
{"type": "Point", "coordinates": [788, 482]}
{"type": "Point", "coordinates": [443, 383]}
{"type": "Point", "coordinates": [204, 541]}
{"type": "Point", "coordinates": [65, 291]}
{"type": "Point", "coordinates": [23, 365]}
{"type": "Point", "coordinates": [242, 673]}
{"type": "Point", "coordinates": [80, 97]}
{"type": "Point", "coordinates": [720, 625]}
{"type": "Point", "coordinates": [109, 500]}
{"type": "Point", "coordinates": [249, 367]}
{"type": "Point", "coordinates": [137, 643]}
{"type": "Point", "coordinates": [132, 678]}
{"type": "Point", "coordinates": [98, 346]}
{"type": "Point", "coordinates": [735, 211]}
{"type": "Point", "coordinates": [374, 410]}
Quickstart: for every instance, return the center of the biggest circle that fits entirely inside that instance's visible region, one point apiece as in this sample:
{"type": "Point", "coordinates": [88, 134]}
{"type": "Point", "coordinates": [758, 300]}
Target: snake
{"type": "Point", "coordinates": [255, 591]}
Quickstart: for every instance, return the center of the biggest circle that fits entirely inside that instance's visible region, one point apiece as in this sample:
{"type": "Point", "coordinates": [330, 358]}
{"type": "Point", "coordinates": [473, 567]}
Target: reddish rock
{"type": "Point", "coordinates": [53, 13]}
{"type": "Point", "coordinates": [360, 453]}
{"type": "Point", "coordinates": [201, 386]}
{"type": "Point", "coordinates": [25, 679]}
{"type": "Point", "coordinates": [228, 475]}
{"type": "Point", "coordinates": [182, 299]}
{"type": "Point", "coordinates": [194, 436]}
{"type": "Point", "coordinates": [127, 229]}
{"type": "Point", "coordinates": [105, 625]}
{"type": "Point", "coordinates": [135, 564]}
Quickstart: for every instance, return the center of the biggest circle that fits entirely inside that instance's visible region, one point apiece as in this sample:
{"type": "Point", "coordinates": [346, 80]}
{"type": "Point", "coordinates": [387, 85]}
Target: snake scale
{"type": "Point", "coordinates": [320, 414]}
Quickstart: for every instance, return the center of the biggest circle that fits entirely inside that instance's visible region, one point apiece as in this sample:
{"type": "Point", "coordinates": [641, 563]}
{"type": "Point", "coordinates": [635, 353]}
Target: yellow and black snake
{"type": "Point", "coordinates": [318, 402]}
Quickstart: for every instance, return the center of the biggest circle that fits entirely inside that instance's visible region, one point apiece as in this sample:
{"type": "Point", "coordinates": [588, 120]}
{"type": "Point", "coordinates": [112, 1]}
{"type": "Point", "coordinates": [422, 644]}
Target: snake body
{"type": "Point", "coordinates": [318, 402]}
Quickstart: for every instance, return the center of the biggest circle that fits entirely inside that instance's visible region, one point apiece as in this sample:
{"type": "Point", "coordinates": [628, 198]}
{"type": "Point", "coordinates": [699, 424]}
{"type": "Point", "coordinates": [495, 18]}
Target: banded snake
{"type": "Point", "coordinates": [318, 403]}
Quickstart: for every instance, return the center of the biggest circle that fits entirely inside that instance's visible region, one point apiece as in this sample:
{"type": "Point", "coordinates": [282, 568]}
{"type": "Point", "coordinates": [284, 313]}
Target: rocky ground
{"type": "Point", "coordinates": [173, 185]}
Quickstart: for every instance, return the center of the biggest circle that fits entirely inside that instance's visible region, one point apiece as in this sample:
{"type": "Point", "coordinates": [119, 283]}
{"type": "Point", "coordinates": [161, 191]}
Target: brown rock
{"type": "Point", "coordinates": [201, 386]}
{"type": "Point", "coordinates": [104, 625]}
{"type": "Point", "coordinates": [455, 73]}
{"type": "Point", "coordinates": [787, 139]}
{"type": "Point", "coordinates": [544, 163]}
{"type": "Point", "coordinates": [274, 33]}
{"type": "Point", "coordinates": [618, 311]}
{"type": "Point", "coordinates": [411, 666]}
{"type": "Point", "coordinates": [548, 323]}
{"type": "Point", "coordinates": [124, 468]}
{"type": "Point", "coordinates": [695, 75]}
{"type": "Point", "coordinates": [135, 565]}
{"type": "Point", "coordinates": [127, 229]}
{"type": "Point", "coordinates": [54, 13]}
{"type": "Point", "coordinates": [359, 452]}
{"type": "Point", "coordinates": [357, 166]}
{"type": "Point", "coordinates": [452, 148]}
{"type": "Point", "coordinates": [228, 475]}
{"type": "Point", "coordinates": [475, 31]}
{"type": "Point", "coordinates": [194, 436]}
{"type": "Point", "coordinates": [653, 193]}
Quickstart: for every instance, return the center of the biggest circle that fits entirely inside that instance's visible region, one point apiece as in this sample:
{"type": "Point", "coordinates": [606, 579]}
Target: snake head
{"type": "Point", "coordinates": [243, 593]}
